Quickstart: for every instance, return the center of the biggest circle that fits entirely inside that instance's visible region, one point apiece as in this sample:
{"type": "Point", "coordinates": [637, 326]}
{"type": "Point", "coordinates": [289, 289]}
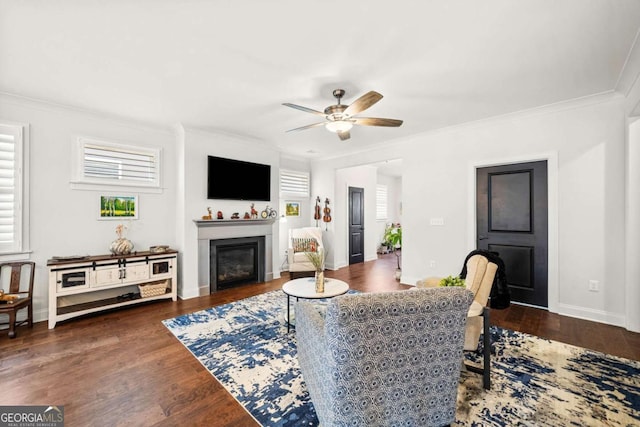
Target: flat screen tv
{"type": "Point", "coordinates": [229, 179]}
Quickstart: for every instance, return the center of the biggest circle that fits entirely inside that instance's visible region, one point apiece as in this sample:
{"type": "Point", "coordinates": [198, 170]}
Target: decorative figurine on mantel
{"type": "Point", "coordinates": [269, 212]}
{"type": "Point", "coordinates": [122, 245]}
{"type": "Point", "coordinates": [254, 212]}
{"type": "Point", "coordinates": [246, 215]}
{"type": "Point", "coordinates": [235, 215]}
{"type": "Point", "coordinates": [207, 217]}
{"type": "Point", "coordinates": [220, 215]}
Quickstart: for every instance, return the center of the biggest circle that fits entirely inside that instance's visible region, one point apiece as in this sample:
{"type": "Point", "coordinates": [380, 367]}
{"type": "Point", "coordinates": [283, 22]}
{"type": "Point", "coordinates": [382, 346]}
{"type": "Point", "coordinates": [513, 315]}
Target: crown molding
{"type": "Point", "coordinates": [50, 106]}
{"type": "Point", "coordinates": [630, 72]}
{"type": "Point", "coordinates": [244, 140]}
{"type": "Point", "coordinates": [571, 104]}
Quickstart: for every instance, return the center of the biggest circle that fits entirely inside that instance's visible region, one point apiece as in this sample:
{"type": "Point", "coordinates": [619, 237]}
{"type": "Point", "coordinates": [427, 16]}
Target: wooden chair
{"type": "Point", "coordinates": [479, 280]}
{"type": "Point", "coordinates": [20, 283]}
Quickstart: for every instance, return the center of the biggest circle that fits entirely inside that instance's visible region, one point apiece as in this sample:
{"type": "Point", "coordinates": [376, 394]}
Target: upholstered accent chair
{"type": "Point", "coordinates": [302, 240]}
{"type": "Point", "coordinates": [383, 359]}
{"type": "Point", "coordinates": [479, 280]}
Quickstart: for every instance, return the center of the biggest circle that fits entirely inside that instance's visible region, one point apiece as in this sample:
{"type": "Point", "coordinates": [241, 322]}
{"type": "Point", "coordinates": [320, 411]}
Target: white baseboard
{"type": "Point", "coordinates": [600, 316]}
{"type": "Point", "coordinates": [189, 295]}
{"type": "Point", "coordinates": [38, 315]}
{"type": "Point", "coordinates": [409, 280]}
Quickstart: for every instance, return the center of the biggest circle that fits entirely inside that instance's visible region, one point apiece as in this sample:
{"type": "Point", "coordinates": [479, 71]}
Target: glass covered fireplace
{"type": "Point", "coordinates": [236, 262]}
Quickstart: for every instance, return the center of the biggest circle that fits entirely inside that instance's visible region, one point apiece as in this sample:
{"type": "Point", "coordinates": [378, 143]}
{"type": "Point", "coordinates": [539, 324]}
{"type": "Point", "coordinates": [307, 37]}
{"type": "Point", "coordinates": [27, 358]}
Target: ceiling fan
{"type": "Point", "coordinates": [340, 118]}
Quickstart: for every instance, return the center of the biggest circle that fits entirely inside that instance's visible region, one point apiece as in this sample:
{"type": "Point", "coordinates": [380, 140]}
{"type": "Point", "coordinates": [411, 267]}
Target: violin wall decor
{"type": "Point", "coordinates": [327, 213]}
{"type": "Point", "coordinates": [317, 215]}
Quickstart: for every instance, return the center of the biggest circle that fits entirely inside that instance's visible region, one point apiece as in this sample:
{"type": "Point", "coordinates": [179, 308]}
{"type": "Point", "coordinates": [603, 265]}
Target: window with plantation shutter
{"type": "Point", "coordinates": [294, 183]}
{"type": "Point", "coordinates": [11, 188]}
{"type": "Point", "coordinates": [381, 202]}
{"type": "Point", "coordinates": [115, 164]}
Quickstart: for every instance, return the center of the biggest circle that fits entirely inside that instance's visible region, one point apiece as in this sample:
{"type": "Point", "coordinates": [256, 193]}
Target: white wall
{"type": "Point", "coordinates": [588, 140]}
{"type": "Point", "coordinates": [629, 84]}
{"type": "Point", "coordinates": [632, 276]}
{"type": "Point", "coordinates": [193, 203]}
{"type": "Point", "coordinates": [64, 221]}
{"type": "Point", "coordinates": [323, 180]}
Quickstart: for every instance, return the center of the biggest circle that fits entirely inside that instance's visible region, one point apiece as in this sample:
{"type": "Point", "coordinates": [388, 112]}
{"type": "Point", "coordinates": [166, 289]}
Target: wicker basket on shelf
{"type": "Point", "coordinates": [153, 289]}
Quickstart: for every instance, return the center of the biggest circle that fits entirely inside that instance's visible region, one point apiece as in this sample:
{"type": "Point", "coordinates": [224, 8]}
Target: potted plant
{"type": "Point", "coordinates": [452, 281]}
{"type": "Point", "coordinates": [392, 239]}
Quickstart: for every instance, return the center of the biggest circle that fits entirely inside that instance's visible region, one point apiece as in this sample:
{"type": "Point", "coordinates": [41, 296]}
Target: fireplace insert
{"type": "Point", "coordinates": [236, 262]}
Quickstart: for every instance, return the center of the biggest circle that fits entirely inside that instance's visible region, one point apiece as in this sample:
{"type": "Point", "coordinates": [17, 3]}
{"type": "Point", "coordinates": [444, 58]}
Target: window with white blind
{"type": "Point", "coordinates": [294, 183]}
{"type": "Point", "coordinates": [381, 202]}
{"type": "Point", "coordinates": [11, 188]}
{"type": "Point", "coordinates": [107, 163]}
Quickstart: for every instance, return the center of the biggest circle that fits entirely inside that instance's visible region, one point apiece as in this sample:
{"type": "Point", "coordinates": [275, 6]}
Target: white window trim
{"type": "Point", "coordinates": [81, 182]}
{"type": "Point", "coordinates": [22, 249]}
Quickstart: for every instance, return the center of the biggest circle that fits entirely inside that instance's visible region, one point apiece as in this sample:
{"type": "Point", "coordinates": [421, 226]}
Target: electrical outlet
{"type": "Point", "coordinates": [594, 285]}
{"type": "Point", "coordinates": [432, 263]}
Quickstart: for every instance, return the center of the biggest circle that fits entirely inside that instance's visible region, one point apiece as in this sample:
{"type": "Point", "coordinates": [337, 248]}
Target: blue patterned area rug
{"type": "Point", "coordinates": [535, 382]}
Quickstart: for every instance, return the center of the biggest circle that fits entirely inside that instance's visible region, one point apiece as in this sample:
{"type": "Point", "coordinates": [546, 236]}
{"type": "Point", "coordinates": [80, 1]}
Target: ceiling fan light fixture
{"type": "Point", "coordinates": [340, 118]}
{"type": "Point", "coordinates": [339, 126]}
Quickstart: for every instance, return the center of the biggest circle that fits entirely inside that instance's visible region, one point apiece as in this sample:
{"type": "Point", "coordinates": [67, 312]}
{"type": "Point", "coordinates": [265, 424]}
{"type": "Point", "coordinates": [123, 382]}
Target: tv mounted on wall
{"type": "Point", "coordinates": [229, 179]}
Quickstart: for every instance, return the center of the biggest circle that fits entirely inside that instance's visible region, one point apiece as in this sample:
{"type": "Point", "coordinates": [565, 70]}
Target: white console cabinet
{"type": "Point", "coordinates": [83, 285]}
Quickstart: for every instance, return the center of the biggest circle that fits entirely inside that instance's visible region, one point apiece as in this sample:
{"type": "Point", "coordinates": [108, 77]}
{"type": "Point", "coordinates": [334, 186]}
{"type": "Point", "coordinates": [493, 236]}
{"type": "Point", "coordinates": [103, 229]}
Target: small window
{"type": "Point", "coordinates": [114, 164]}
{"type": "Point", "coordinates": [11, 188]}
{"type": "Point", "coordinates": [294, 183]}
{"type": "Point", "coordinates": [381, 202]}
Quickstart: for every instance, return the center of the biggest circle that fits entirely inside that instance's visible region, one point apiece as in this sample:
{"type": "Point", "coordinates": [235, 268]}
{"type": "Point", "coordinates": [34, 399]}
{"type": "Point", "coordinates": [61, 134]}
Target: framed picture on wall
{"type": "Point", "coordinates": [118, 206]}
{"type": "Point", "coordinates": [292, 208]}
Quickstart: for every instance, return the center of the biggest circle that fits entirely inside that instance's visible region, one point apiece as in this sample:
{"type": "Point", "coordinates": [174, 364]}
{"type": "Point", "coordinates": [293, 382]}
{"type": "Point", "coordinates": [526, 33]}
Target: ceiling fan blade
{"type": "Point", "coordinates": [344, 135]}
{"type": "Point", "coordinates": [308, 110]}
{"type": "Point", "coordinates": [315, 125]}
{"type": "Point", "coordinates": [362, 103]}
{"type": "Point", "coordinates": [375, 121]}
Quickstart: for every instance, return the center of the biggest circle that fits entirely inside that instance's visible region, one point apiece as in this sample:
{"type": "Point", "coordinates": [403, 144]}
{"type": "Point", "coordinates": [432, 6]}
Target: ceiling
{"type": "Point", "coordinates": [227, 66]}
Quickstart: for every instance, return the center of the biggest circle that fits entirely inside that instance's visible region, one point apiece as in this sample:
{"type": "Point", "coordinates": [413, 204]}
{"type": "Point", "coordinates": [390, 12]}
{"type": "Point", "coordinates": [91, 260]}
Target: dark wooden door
{"type": "Point", "coordinates": [356, 225]}
{"type": "Point", "coordinates": [512, 220]}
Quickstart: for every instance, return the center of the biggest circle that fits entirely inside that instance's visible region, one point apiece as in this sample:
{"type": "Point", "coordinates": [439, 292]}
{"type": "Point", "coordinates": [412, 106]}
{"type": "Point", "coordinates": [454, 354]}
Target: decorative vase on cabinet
{"type": "Point", "coordinates": [122, 245]}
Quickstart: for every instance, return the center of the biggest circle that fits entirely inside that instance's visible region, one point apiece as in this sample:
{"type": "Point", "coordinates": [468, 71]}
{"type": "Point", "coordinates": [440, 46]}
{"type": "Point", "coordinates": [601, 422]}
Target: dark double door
{"type": "Point", "coordinates": [512, 220]}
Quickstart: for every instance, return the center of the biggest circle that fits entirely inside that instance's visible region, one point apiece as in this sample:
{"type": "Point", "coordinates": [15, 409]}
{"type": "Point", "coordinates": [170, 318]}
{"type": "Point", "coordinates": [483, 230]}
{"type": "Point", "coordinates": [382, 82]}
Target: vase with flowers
{"type": "Point", "coordinates": [317, 258]}
{"type": "Point", "coordinates": [122, 245]}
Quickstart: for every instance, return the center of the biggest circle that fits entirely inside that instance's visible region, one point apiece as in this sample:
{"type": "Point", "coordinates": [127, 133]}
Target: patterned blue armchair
{"type": "Point", "coordinates": [382, 359]}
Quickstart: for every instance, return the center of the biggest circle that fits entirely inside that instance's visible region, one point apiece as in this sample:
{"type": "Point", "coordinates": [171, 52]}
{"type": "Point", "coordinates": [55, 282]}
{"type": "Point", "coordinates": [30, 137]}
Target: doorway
{"type": "Point", "coordinates": [356, 225]}
{"type": "Point", "coordinates": [512, 219]}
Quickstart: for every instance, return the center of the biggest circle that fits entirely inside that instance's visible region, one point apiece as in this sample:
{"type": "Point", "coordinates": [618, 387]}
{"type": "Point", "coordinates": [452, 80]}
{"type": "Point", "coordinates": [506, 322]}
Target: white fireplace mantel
{"type": "Point", "coordinates": [228, 222]}
{"type": "Point", "coordinates": [229, 229]}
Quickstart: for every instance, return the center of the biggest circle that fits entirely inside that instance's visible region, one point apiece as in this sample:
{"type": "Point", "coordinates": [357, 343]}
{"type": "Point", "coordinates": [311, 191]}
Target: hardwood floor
{"type": "Point", "coordinates": [124, 367]}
